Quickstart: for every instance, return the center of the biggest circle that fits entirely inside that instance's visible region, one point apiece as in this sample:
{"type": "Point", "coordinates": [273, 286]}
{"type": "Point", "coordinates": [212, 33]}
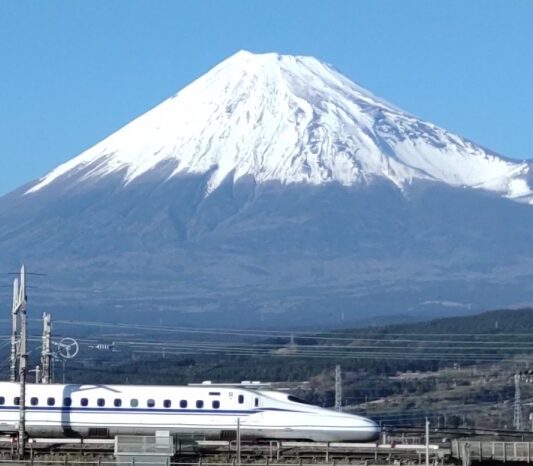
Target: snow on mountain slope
{"type": "Point", "coordinates": [294, 120]}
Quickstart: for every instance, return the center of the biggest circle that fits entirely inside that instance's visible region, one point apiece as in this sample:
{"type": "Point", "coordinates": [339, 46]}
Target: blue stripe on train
{"type": "Point", "coordinates": [142, 410]}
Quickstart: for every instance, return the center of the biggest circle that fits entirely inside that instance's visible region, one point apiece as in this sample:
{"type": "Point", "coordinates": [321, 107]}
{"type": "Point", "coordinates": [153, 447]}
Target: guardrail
{"type": "Point", "coordinates": [469, 450]}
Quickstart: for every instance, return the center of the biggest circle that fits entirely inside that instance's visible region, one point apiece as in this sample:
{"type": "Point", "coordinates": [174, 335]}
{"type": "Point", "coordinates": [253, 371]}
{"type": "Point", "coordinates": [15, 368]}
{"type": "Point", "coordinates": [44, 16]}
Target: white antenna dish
{"type": "Point", "coordinates": [67, 348]}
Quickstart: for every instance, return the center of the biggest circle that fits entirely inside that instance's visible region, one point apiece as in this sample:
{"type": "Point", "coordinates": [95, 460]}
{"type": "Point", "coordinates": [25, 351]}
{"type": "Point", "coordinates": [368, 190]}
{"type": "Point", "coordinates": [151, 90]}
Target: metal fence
{"type": "Point", "coordinates": [473, 450]}
{"type": "Point", "coordinates": [142, 462]}
{"type": "Point", "coordinates": [135, 445]}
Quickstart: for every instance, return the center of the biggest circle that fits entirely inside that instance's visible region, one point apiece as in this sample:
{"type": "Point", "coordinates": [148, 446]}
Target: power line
{"type": "Point", "coordinates": [287, 334]}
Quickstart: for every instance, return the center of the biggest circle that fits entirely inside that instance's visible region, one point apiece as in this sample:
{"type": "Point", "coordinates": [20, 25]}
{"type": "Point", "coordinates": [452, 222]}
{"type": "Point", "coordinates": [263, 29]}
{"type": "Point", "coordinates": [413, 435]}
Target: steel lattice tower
{"type": "Point", "coordinates": [46, 354]}
{"type": "Point", "coordinates": [517, 415]}
{"type": "Point", "coordinates": [338, 388]}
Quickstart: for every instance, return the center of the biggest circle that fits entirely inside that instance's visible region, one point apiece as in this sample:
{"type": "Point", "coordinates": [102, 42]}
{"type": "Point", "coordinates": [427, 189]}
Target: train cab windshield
{"type": "Point", "coordinates": [295, 399]}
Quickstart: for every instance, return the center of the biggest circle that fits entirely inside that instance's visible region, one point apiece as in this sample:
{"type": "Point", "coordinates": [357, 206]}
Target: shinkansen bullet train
{"type": "Point", "coordinates": [204, 411]}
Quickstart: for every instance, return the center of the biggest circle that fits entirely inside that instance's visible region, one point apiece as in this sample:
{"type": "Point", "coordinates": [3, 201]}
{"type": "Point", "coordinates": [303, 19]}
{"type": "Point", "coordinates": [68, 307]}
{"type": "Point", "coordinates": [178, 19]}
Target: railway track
{"type": "Point", "coordinates": [226, 451]}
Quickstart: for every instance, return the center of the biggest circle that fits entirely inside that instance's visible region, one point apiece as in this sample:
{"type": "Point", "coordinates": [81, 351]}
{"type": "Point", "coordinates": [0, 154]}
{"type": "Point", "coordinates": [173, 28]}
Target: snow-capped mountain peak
{"type": "Point", "coordinates": [291, 119]}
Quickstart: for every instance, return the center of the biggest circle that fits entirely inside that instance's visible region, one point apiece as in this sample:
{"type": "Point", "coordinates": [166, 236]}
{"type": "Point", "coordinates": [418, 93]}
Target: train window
{"type": "Point", "coordinates": [216, 404]}
{"type": "Point", "coordinates": [199, 404]}
{"type": "Point", "coordinates": [117, 402]}
{"type": "Point", "coordinates": [51, 401]}
{"type": "Point", "coordinates": [67, 401]}
{"type": "Point", "coordinates": [241, 399]}
{"type": "Point", "coordinates": [167, 403]}
{"type": "Point", "coordinates": [84, 402]}
{"type": "Point", "coordinates": [2, 400]}
{"type": "Point", "coordinates": [16, 400]}
{"type": "Point", "coordinates": [295, 399]}
{"type": "Point", "coordinates": [256, 402]}
{"type": "Point", "coordinates": [100, 402]}
{"type": "Point", "coordinates": [150, 403]}
{"type": "Point", "coordinates": [183, 403]}
{"type": "Point", "coordinates": [134, 402]}
{"type": "Point", "coordinates": [34, 401]}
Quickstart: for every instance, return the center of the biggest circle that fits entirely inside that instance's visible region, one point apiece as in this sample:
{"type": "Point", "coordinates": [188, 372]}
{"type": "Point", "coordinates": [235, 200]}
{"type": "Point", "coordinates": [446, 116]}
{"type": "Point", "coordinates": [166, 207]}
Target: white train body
{"type": "Point", "coordinates": [209, 412]}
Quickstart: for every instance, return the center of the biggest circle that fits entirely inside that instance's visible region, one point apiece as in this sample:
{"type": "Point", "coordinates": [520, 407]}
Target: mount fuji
{"type": "Point", "coordinates": [270, 189]}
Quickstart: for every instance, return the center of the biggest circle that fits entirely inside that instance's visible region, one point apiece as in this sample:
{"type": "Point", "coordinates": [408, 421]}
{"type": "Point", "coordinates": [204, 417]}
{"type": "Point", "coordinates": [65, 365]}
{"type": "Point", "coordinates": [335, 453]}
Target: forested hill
{"type": "Point", "coordinates": [492, 322]}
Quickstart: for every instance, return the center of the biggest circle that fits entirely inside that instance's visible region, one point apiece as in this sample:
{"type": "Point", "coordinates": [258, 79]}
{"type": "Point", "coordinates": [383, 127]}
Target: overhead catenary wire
{"type": "Point", "coordinates": [496, 352]}
{"type": "Point", "coordinates": [285, 334]}
{"type": "Point", "coordinates": [358, 347]}
{"type": "Point", "coordinates": [315, 351]}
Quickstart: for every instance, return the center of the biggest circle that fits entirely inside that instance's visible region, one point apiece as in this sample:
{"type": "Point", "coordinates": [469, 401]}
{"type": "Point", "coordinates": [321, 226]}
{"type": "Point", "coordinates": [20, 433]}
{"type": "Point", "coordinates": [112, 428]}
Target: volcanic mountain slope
{"type": "Point", "coordinates": [271, 187]}
{"type": "Point", "coordinates": [292, 120]}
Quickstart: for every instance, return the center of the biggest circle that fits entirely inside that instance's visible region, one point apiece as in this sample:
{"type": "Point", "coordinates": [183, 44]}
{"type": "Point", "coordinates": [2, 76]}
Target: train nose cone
{"type": "Point", "coordinates": [374, 431]}
{"type": "Point", "coordinates": [371, 430]}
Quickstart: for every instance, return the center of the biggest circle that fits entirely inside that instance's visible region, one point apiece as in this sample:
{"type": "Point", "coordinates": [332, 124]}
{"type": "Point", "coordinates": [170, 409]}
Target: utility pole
{"type": "Point", "coordinates": [46, 353]}
{"type": "Point", "coordinates": [21, 308]}
{"type": "Point", "coordinates": [338, 388]}
{"type": "Point", "coordinates": [238, 441]}
{"type": "Point", "coordinates": [517, 414]}
{"type": "Point", "coordinates": [427, 441]}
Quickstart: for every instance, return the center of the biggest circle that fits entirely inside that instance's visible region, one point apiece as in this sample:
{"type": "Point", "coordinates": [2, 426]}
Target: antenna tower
{"type": "Point", "coordinates": [517, 415]}
{"type": "Point", "coordinates": [14, 331]}
{"type": "Point", "coordinates": [46, 353]}
{"type": "Point", "coordinates": [19, 311]}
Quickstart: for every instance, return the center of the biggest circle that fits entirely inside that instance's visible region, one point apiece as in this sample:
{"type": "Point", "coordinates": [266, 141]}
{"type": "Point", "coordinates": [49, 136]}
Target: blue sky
{"type": "Point", "coordinates": [74, 71]}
